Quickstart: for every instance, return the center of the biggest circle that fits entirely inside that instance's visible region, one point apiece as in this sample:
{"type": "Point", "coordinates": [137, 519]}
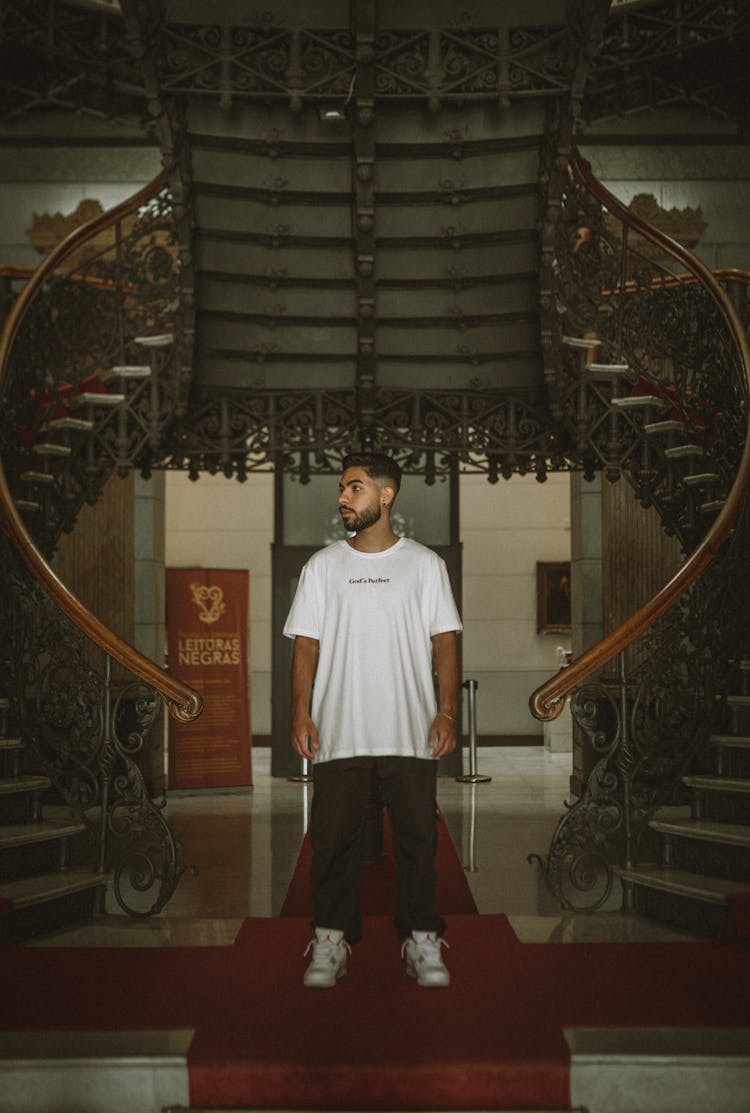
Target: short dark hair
{"type": "Point", "coordinates": [376, 464]}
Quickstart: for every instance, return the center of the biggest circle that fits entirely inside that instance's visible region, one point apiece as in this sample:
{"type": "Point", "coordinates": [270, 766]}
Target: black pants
{"type": "Point", "coordinates": [343, 788]}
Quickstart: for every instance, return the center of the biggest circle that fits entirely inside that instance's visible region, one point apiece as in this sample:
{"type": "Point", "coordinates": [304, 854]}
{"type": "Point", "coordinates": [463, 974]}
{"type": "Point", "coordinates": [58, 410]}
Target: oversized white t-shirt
{"type": "Point", "coordinates": [373, 615]}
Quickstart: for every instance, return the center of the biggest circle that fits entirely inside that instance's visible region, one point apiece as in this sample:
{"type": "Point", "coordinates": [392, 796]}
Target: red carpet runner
{"type": "Point", "coordinates": [493, 1040]}
{"type": "Point", "coordinates": [378, 881]}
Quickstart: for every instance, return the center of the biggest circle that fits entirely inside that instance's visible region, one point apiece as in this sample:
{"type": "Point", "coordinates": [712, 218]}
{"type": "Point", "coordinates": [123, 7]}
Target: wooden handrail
{"type": "Point", "coordinates": [182, 701]}
{"type": "Point", "coordinates": [548, 701]}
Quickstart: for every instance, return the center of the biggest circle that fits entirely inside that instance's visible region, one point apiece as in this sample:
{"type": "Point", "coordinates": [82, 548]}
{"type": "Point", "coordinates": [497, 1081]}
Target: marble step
{"type": "Point", "coordinates": [43, 477]}
{"type": "Point", "coordinates": [105, 401]}
{"type": "Point", "coordinates": [77, 424]}
{"type": "Point", "coordinates": [23, 834]}
{"type": "Point", "coordinates": [95, 1072]}
{"type": "Point", "coordinates": [580, 342]}
{"type": "Point", "coordinates": [731, 741]}
{"type": "Point", "coordinates": [49, 449]}
{"type": "Point", "coordinates": [45, 887]}
{"type": "Point", "coordinates": [700, 479]}
{"type": "Point", "coordinates": [127, 371]}
{"type": "Point", "coordinates": [710, 783]}
{"type": "Point", "coordinates": [684, 883]}
{"type": "Point", "coordinates": [641, 402]}
{"type": "Point", "coordinates": [607, 370]}
{"type": "Point", "coordinates": [729, 834]}
{"type": "Point", "coordinates": [684, 451]}
{"type": "Point", "coordinates": [656, 428]}
{"type": "Point", "coordinates": [11, 785]}
{"type": "Point", "coordinates": [160, 340]}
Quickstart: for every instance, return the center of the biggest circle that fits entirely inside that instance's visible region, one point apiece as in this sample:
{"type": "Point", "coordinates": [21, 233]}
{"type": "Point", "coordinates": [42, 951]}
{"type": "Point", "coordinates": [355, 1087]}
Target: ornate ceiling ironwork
{"type": "Point", "coordinates": [274, 62]}
{"type": "Point", "coordinates": [676, 53]}
{"type": "Point", "coordinates": [66, 58]}
{"type": "Point", "coordinates": [431, 432]}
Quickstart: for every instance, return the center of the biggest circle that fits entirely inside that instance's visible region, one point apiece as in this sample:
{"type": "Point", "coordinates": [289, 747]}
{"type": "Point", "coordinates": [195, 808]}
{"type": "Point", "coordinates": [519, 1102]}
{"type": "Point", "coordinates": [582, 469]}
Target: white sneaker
{"type": "Point", "coordinates": [423, 959]}
{"type": "Point", "coordinates": [328, 963]}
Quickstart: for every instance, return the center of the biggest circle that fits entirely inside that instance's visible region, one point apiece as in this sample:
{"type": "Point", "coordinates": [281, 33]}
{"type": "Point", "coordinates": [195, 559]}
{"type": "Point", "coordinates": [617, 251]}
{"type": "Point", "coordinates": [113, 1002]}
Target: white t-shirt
{"type": "Point", "coordinates": [373, 615]}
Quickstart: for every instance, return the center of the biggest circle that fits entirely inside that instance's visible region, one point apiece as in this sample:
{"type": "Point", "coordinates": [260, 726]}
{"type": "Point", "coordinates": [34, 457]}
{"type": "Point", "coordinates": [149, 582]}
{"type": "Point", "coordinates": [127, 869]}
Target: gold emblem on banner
{"type": "Point", "coordinates": [210, 602]}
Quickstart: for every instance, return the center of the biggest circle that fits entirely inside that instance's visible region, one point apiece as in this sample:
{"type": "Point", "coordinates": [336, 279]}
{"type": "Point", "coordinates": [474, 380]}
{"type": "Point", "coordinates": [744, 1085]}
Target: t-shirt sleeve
{"type": "Point", "coordinates": [304, 617]}
{"type": "Point", "coordinates": [445, 614]}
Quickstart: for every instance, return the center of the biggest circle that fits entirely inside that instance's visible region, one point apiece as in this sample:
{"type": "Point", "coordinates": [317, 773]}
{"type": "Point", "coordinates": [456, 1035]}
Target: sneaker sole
{"type": "Point", "coordinates": [427, 984]}
{"type": "Point", "coordinates": [324, 985]}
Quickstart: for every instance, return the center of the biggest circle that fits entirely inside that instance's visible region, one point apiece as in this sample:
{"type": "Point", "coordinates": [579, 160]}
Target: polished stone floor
{"type": "Point", "coordinates": [244, 847]}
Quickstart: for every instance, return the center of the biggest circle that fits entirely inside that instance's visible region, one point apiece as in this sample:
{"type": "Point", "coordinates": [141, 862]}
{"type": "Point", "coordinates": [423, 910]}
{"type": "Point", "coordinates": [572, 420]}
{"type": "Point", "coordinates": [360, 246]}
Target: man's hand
{"type": "Point", "coordinates": [305, 737]}
{"type": "Point", "coordinates": [442, 737]}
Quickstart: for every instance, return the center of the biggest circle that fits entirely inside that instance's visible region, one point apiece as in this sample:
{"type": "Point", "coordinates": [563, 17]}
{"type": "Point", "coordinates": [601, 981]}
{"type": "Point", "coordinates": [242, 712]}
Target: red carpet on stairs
{"type": "Point", "coordinates": [493, 1040]}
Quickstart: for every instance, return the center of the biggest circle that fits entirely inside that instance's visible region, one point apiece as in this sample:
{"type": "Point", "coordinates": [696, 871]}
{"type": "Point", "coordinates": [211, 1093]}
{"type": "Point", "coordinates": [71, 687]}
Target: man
{"type": "Point", "coordinates": [369, 616]}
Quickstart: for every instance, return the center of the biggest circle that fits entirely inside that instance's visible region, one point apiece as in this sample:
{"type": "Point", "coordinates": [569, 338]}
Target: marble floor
{"type": "Point", "coordinates": [244, 846]}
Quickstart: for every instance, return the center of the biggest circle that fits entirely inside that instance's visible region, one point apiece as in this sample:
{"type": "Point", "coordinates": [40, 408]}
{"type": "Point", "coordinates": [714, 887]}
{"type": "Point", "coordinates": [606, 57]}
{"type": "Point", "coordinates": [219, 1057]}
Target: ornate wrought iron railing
{"type": "Point", "coordinates": [654, 386]}
{"type": "Point", "coordinates": [108, 293]}
{"type": "Point", "coordinates": [61, 333]}
{"type": "Point", "coordinates": [624, 303]}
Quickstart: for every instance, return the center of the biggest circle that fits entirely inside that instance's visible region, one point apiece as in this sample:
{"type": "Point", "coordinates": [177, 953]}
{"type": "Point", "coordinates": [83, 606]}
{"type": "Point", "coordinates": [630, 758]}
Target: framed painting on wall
{"type": "Point", "coordinates": [553, 597]}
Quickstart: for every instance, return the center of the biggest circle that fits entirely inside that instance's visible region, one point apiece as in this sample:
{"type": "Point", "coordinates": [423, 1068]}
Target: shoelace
{"type": "Point", "coordinates": [326, 946]}
{"type": "Point", "coordinates": [436, 943]}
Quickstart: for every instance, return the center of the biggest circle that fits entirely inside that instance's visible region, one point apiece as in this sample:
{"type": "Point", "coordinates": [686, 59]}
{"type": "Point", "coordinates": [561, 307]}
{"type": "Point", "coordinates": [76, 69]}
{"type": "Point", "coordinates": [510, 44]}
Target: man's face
{"type": "Point", "coordinates": [359, 500]}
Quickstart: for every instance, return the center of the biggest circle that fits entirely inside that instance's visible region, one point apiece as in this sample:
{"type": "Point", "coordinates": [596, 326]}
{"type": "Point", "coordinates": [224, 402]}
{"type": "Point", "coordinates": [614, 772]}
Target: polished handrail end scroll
{"type": "Point", "coordinates": [187, 710]}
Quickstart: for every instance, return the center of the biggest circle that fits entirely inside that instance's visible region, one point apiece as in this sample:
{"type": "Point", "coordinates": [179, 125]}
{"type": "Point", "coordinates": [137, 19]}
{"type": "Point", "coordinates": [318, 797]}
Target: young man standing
{"type": "Point", "coordinates": [369, 617]}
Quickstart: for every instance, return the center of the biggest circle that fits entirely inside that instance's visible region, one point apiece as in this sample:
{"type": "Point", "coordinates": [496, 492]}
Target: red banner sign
{"type": "Point", "coordinates": [207, 613]}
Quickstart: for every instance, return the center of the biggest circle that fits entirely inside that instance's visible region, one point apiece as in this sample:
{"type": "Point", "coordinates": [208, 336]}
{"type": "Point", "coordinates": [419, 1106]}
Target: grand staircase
{"type": "Point", "coordinates": [702, 881]}
{"type": "Point", "coordinates": [43, 883]}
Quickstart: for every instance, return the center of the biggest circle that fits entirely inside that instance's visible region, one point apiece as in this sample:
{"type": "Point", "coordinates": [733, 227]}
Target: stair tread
{"type": "Point", "coordinates": [732, 741]}
{"type": "Point", "coordinates": [23, 834]}
{"type": "Point", "coordinates": [699, 478]}
{"type": "Point", "coordinates": [43, 448]}
{"type": "Point", "coordinates": [11, 743]}
{"type": "Point", "coordinates": [79, 423]}
{"type": "Point", "coordinates": [735, 833]}
{"type": "Point", "coordinates": [28, 891]}
{"type": "Point", "coordinates": [641, 401]}
{"type": "Point", "coordinates": [160, 340]}
{"type": "Point", "coordinates": [617, 369]}
{"type": "Point", "coordinates": [664, 427]}
{"type": "Point", "coordinates": [23, 784]}
{"type": "Point", "coordinates": [739, 701]}
{"type": "Point", "coordinates": [580, 342]}
{"type": "Point", "coordinates": [713, 889]}
{"type": "Point", "coordinates": [681, 451]}
{"type": "Point", "coordinates": [717, 783]}
{"type": "Point", "coordinates": [92, 399]}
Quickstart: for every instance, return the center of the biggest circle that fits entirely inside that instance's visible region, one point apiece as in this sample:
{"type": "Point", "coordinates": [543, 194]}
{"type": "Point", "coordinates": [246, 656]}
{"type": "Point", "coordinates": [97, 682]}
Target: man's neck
{"type": "Point", "coordinates": [375, 539]}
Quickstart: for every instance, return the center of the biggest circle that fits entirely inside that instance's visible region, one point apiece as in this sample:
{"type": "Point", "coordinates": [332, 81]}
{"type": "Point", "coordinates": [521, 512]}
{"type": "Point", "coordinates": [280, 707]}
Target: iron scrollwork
{"type": "Point", "coordinates": [142, 853]}
{"type": "Point", "coordinates": [87, 747]}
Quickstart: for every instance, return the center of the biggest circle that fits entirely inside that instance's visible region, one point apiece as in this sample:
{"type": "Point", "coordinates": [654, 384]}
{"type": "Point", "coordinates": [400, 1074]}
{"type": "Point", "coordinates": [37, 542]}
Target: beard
{"type": "Point", "coordinates": [368, 517]}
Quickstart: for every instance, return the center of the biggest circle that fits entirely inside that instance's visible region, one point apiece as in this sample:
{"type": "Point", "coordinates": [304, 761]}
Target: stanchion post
{"type": "Point", "coordinates": [472, 777]}
{"type": "Point", "coordinates": [305, 777]}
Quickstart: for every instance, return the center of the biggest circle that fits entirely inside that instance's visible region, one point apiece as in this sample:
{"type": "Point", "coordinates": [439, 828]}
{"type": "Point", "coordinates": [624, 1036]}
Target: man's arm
{"type": "Point", "coordinates": [442, 737]}
{"type": "Point", "coordinates": [304, 664]}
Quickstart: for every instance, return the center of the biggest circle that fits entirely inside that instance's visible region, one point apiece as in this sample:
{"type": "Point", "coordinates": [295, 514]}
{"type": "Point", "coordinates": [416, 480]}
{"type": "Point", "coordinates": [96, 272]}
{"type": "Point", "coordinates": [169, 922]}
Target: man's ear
{"type": "Point", "coordinates": [387, 495]}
